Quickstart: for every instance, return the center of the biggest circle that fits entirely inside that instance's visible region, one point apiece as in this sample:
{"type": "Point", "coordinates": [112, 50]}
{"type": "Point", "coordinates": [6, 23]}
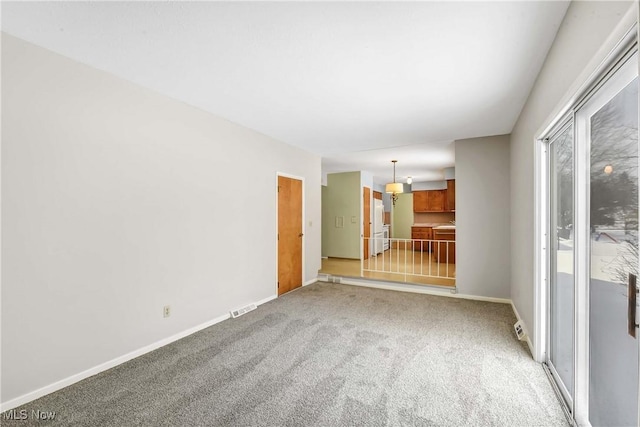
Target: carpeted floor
{"type": "Point", "coordinates": [327, 355]}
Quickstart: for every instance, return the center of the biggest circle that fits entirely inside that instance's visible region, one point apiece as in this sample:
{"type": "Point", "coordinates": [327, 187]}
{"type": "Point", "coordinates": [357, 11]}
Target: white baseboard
{"type": "Point", "coordinates": [526, 329]}
{"type": "Point", "coordinates": [310, 282]}
{"type": "Point", "coordinates": [266, 300]}
{"type": "Point", "coordinates": [58, 385]}
{"type": "Point", "coordinates": [419, 289]}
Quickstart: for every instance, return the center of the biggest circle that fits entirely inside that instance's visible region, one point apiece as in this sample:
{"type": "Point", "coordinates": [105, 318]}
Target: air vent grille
{"type": "Point", "coordinates": [520, 333]}
{"type": "Point", "coordinates": [244, 310]}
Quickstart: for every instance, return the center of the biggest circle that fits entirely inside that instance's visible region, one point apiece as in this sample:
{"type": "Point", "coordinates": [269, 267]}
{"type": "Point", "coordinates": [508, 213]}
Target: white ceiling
{"type": "Point", "coordinates": [333, 78]}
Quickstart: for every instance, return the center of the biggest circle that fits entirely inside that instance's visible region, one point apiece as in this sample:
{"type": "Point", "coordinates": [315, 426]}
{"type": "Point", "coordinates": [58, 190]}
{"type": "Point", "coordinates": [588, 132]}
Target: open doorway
{"type": "Point", "coordinates": [366, 234]}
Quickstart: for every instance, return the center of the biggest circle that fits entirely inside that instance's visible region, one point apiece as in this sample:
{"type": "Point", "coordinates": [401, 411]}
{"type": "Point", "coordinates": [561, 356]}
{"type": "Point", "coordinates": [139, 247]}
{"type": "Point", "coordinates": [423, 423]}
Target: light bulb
{"type": "Point", "coordinates": [409, 180]}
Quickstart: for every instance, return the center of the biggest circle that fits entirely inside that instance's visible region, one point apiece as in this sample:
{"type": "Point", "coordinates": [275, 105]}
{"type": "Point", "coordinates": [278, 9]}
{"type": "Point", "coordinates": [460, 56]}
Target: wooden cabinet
{"type": "Point", "coordinates": [418, 234]}
{"type": "Point", "coordinates": [420, 201]}
{"type": "Point", "coordinates": [429, 201]}
{"type": "Point", "coordinates": [436, 200]}
{"type": "Point", "coordinates": [445, 252]}
{"type": "Point", "coordinates": [451, 194]}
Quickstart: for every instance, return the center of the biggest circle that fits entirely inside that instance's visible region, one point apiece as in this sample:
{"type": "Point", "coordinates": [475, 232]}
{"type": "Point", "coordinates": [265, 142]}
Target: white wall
{"type": "Point", "coordinates": [482, 216]}
{"type": "Point", "coordinates": [118, 201]}
{"type": "Point", "coordinates": [583, 40]}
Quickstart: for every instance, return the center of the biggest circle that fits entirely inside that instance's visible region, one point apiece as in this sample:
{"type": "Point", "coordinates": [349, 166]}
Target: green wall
{"type": "Point", "coordinates": [325, 214]}
{"type": "Point", "coordinates": [402, 216]}
{"type": "Point", "coordinates": [341, 205]}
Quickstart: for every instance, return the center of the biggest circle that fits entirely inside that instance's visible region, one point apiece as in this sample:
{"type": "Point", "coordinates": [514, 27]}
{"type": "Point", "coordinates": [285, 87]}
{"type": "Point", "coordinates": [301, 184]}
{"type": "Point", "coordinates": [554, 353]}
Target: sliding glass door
{"type": "Point", "coordinates": [609, 127]}
{"type": "Point", "coordinates": [561, 280]}
{"type": "Point", "coordinates": [592, 164]}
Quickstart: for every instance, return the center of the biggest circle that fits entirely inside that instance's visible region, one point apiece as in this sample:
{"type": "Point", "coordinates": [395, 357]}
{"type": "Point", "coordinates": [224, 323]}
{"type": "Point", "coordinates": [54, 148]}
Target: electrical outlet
{"type": "Point", "coordinates": [167, 311]}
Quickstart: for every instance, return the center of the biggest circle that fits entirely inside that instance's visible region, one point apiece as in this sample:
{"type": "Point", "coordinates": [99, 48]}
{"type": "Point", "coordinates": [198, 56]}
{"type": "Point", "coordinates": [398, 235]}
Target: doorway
{"type": "Point", "coordinates": [592, 236]}
{"type": "Point", "coordinates": [290, 233]}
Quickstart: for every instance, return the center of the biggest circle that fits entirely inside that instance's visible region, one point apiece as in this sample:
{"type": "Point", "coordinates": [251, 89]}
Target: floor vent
{"type": "Point", "coordinates": [239, 312]}
{"type": "Point", "coordinates": [519, 330]}
{"type": "Point", "coordinates": [337, 279]}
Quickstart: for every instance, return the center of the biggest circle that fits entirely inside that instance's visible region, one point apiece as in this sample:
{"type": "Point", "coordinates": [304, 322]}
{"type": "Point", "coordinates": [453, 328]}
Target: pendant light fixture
{"type": "Point", "coordinates": [394, 188]}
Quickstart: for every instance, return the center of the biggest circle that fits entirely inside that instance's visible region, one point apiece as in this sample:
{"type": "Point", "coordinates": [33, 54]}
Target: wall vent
{"type": "Point", "coordinates": [520, 333]}
{"type": "Point", "coordinates": [239, 312]}
{"type": "Point", "coordinates": [324, 277]}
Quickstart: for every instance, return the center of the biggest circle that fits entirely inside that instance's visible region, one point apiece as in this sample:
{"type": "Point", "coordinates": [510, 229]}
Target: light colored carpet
{"type": "Point", "coordinates": [327, 355]}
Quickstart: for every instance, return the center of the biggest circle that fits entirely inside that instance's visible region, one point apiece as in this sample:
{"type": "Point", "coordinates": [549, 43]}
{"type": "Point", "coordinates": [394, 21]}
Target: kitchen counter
{"type": "Point", "coordinates": [430, 224]}
{"type": "Point", "coordinates": [446, 227]}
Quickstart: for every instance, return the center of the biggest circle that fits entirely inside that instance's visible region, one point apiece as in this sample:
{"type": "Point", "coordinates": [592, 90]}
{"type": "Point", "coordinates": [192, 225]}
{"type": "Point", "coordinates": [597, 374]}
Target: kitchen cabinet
{"type": "Point", "coordinates": [451, 194]}
{"type": "Point", "coordinates": [436, 200]}
{"type": "Point", "coordinates": [429, 201]}
{"type": "Point", "coordinates": [445, 252]}
{"type": "Point", "coordinates": [420, 201]}
{"type": "Point", "coordinates": [422, 233]}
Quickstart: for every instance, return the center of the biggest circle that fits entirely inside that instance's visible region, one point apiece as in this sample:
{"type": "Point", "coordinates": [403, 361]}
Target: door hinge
{"type": "Point", "coordinates": [278, 285]}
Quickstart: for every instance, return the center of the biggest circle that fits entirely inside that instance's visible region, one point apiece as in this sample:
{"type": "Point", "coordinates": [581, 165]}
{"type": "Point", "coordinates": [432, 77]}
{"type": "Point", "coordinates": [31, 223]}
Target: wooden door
{"type": "Point", "coordinates": [366, 219]}
{"type": "Point", "coordinates": [290, 236]}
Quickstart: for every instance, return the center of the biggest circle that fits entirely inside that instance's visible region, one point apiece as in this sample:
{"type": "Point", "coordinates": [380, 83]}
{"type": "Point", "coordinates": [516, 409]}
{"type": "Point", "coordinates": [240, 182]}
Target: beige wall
{"type": "Point", "coordinates": [118, 201]}
{"type": "Point", "coordinates": [585, 37]}
{"type": "Point", "coordinates": [482, 216]}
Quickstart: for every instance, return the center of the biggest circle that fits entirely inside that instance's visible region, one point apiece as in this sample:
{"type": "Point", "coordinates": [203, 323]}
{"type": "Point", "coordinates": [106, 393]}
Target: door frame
{"type": "Point", "coordinates": [568, 121]}
{"type": "Point", "coordinates": [304, 240]}
{"type": "Point", "coordinates": [626, 46]}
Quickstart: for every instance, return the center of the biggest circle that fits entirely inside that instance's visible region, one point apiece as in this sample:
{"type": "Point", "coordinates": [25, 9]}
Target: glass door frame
{"type": "Point", "coordinates": [563, 125]}
{"type": "Point", "coordinates": [578, 410]}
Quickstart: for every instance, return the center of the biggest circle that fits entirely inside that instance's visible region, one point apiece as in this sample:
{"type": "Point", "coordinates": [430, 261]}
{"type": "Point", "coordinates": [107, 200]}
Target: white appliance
{"type": "Point", "coordinates": [378, 222]}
